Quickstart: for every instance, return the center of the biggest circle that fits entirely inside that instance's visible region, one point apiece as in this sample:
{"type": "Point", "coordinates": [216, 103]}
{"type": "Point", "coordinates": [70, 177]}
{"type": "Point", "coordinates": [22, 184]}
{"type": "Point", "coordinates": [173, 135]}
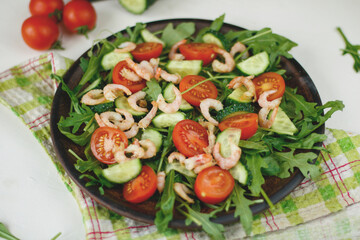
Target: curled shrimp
{"type": "Point", "coordinates": [248, 83]}
{"type": "Point", "coordinates": [125, 47]}
{"type": "Point", "coordinates": [198, 169]}
{"type": "Point", "coordinates": [128, 120]}
{"type": "Point", "coordinates": [220, 67]}
{"type": "Point", "coordinates": [174, 78]}
{"type": "Point", "coordinates": [94, 97]}
{"type": "Point", "coordinates": [229, 162]}
{"type": "Point", "coordinates": [111, 119]}
{"type": "Point", "coordinates": [176, 156]}
{"type": "Point", "coordinates": [176, 56]}
{"type": "Point", "coordinates": [205, 106]}
{"type": "Point", "coordinates": [112, 91]}
{"type": "Point", "coordinates": [130, 75]}
{"type": "Point", "coordinates": [133, 149]}
{"type": "Point", "coordinates": [264, 103]}
{"type": "Point", "coordinates": [197, 160]}
{"type": "Point", "coordinates": [210, 127]}
{"type": "Point", "coordinates": [133, 131]}
{"type": "Point", "coordinates": [154, 63]}
{"type": "Point", "coordinates": [147, 66]}
{"type": "Point", "coordinates": [133, 99]}
{"type": "Point", "coordinates": [139, 70]}
{"type": "Point", "coordinates": [170, 107]}
{"type": "Point", "coordinates": [183, 192]}
{"type": "Point", "coordinates": [158, 73]}
{"type": "Point", "coordinates": [99, 121]}
{"type": "Point", "coordinates": [149, 148]}
{"type": "Point", "coordinates": [238, 47]}
{"type": "Point", "coordinates": [160, 181]}
{"type": "Point", "coordinates": [145, 122]}
{"type": "Point", "coordinates": [263, 117]}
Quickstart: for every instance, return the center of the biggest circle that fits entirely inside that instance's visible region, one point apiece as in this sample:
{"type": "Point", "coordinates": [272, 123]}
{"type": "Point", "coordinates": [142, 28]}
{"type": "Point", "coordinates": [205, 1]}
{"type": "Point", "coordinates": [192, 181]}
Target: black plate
{"type": "Point", "coordinates": [276, 188]}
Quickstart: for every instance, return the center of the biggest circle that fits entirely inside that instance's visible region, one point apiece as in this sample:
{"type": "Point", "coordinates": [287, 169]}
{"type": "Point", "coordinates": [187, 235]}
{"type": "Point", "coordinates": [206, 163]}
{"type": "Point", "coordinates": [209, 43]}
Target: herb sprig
{"type": "Point", "coordinates": [351, 49]}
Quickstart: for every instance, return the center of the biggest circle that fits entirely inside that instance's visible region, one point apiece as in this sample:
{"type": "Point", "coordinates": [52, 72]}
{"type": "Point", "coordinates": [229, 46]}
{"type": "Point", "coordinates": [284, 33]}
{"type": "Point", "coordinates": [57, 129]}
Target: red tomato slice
{"type": "Point", "coordinates": [190, 138]}
{"type": "Point", "coordinates": [104, 137]}
{"type": "Point", "coordinates": [146, 51]}
{"type": "Point", "coordinates": [200, 92]}
{"type": "Point", "coordinates": [213, 185]}
{"type": "Point", "coordinates": [269, 81]}
{"type": "Point", "coordinates": [142, 187]}
{"type": "Point", "coordinates": [119, 79]}
{"type": "Point", "coordinates": [198, 51]}
{"type": "Point", "coordinates": [247, 122]}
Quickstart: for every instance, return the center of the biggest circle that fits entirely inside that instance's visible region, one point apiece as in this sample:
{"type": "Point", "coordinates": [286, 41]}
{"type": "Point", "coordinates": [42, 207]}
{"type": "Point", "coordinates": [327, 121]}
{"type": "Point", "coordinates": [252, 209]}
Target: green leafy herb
{"type": "Point", "coordinates": [89, 165]}
{"type": "Point", "coordinates": [254, 164]}
{"type": "Point", "coordinates": [353, 50]}
{"type": "Point", "coordinates": [97, 180]}
{"type": "Point", "coordinates": [171, 36]}
{"type": "Point", "coordinates": [242, 208]}
{"type": "Point", "coordinates": [4, 233]}
{"type": "Point", "coordinates": [81, 139]}
{"type": "Point", "coordinates": [135, 33]}
{"type": "Point", "coordinates": [167, 146]}
{"type": "Point", "coordinates": [153, 90]}
{"type": "Point", "coordinates": [215, 26]}
{"type": "Point", "coordinates": [84, 64]}
{"type": "Point", "coordinates": [75, 119]}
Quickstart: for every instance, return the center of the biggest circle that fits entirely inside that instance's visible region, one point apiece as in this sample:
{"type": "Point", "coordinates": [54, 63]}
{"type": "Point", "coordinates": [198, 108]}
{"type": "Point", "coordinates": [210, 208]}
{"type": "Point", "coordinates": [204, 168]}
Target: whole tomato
{"type": "Point", "coordinates": [40, 32]}
{"type": "Point", "coordinates": [46, 7]}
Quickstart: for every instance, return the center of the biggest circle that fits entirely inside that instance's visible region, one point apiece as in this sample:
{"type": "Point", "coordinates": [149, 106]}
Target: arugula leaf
{"type": "Point", "coordinates": [82, 139]}
{"type": "Point", "coordinates": [4, 233]}
{"type": "Point", "coordinates": [167, 146]}
{"type": "Point", "coordinates": [170, 36]}
{"type": "Point", "coordinates": [353, 50]}
{"type": "Point", "coordinates": [153, 90]}
{"type": "Point", "coordinates": [254, 162]}
{"type": "Point", "coordinates": [256, 145]}
{"type": "Point", "coordinates": [84, 64]}
{"type": "Point", "coordinates": [89, 165]}
{"type": "Point", "coordinates": [75, 119]}
{"type": "Point", "coordinates": [217, 23]}
{"type": "Point", "coordinates": [307, 142]}
{"type": "Point", "coordinates": [242, 208]}
{"type": "Point", "coordinates": [135, 33]}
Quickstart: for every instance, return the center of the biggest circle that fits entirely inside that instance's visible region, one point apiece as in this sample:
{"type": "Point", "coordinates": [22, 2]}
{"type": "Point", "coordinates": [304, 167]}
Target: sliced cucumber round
{"type": "Point", "coordinates": [147, 36]}
{"type": "Point", "coordinates": [254, 65]}
{"type": "Point", "coordinates": [136, 6]}
{"type": "Point", "coordinates": [169, 96]}
{"type": "Point", "coordinates": [110, 60]}
{"type": "Point", "coordinates": [153, 136]}
{"type": "Point", "coordinates": [122, 172]}
{"type": "Point", "coordinates": [216, 38]}
{"type": "Point", "coordinates": [283, 124]}
{"type": "Point", "coordinates": [240, 173]}
{"type": "Point", "coordinates": [179, 168]}
{"type": "Point", "coordinates": [184, 67]}
{"type": "Point", "coordinates": [164, 120]}
{"type": "Point", "coordinates": [237, 96]}
{"type": "Point", "coordinates": [122, 103]}
{"type": "Point", "coordinates": [223, 139]}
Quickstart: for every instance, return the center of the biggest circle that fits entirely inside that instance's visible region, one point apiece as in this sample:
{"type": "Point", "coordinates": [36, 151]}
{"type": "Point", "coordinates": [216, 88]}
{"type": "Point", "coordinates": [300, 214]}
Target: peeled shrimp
{"type": "Point", "coordinates": [145, 122]}
{"type": "Point", "coordinates": [183, 192]}
{"type": "Point", "coordinates": [128, 120]}
{"type": "Point", "coordinates": [238, 47]}
{"type": "Point", "coordinates": [139, 70]}
{"type": "Point", "coordinates": [150, 148]}
{"type": "Point", "coordinates": [264, 103]}
{"type": "Point", "coordinates": [133, 99]}
{"type": "Point", "coordinates": [198, 169]}
{"type": "Point", "coordinates": [176, 156]}
{"type": "Point", "coordinates": [147, 66]}
{"type": "Point", "coordinates": [220, 67]}
{"type": "Point", "coordinates": [248, 83]}
{"type": "Point", "coordinates": [125, 47]}
{"type": "Point", "coordinates": [161, 181]}
{"type": "Point", "coordinates": [111, 119]}
{"type": "Point", "coordinates": [176, 56]}
{"type": "Point", "coordinates": [99, 121]}
{"type": "Point", "coordinates": [170, 107]}
{"type": "Point", "coordinates": [112, 91]}
{"type": "Point", "coordinates": [93, 97]}
{"type": "Point", "coordinates": [130, 75]}
{"type": "Point", "coordinates": [158, 73]}
{"type": "Point", "coordinates": [263, 119]}
{"type": "Point", "coordinates": [120, 153]}
{"type": "Point", "coordinates": [154, 63]}
{"type": "Point", "coordinates": [211, 136]}
{"type": "Point", "coordinates": [174, 78]}
{"type": "Point", "coordinates": [229, 162]}
{"type": "Point", "coordinates": [197, 160]}
{"type": "Point", "coordinates": [205, 106]}
{"type": "Point", "coordinates": [133, 131]}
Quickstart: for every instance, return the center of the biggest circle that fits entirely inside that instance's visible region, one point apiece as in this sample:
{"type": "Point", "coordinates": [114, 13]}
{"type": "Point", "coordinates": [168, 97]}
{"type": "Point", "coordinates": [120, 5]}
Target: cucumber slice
{"type": "Point", "coordinates": [215, 38]}
{"type": "Point", "coordinates": [234, 109]}
{"type": "Point", "coordinates": [110, 60]}
{"type": "Point", "coordinates": [223, 139]}
{"type": "Point", "coordinates": [169, 96]}
{"type": "Point", "coordinates": [236, 96]}
{"type": "Point", "coordinates": [122, 103]}
{"type": "Point", "coordinates": [184, 67]}
{"type": "Point", "coordinates": [103, 107]}
{"type": "Point", "coordinates": [122, 172]}
{"type": "Point", "coordinates": [149, 37]}
{"type": "Point", "coordinates": [254, 65]}
{"type": "Point", "coordinates": [283, 124]}
{"type": "Point", "coordinates": [136, 6]}
{"type": "Point", "coordinates": [240, 173]}
{"type": "Point", "coordinates": [153, 136]}
{"type": "Point", "coordinates": [179, 168]}
{"type": "Point", "coordinates": [164, 120]}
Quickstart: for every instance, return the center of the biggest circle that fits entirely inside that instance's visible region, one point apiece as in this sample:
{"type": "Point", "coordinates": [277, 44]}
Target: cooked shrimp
{"type": "Point", "coordinates": [248, 83]}
{"type": "Point", "coordinates": [197, 160]}
{"type": "Point", "coordinates": [112, 91]}
{"type": "Point", "coordinates": [158, 73]}
{"type": "Point", "coordinates": [133, 131]}
{"type": "Point", "coordinates": [183, 192]}
{"type": "Point", "coordinates": [133, 101]}
{"type": "Point", "coordinates": [211, 136]}
{"type": "Point", "coordinates": [198, 169]}
{"type": "Point", "coordinates": [229, 162]}
{"type": "Point", "coordinates": [155, 63]}
{"type": "Point", "coordinates": [125, 47]}
{"type": "Point", "coordinates": [128, 120]}
{"type": "Point", "coordinates": [130, 75]}
{"type": "Point", "coordinates": [238, 47]}
{"type": "Point", "coordinates": [174, 78]}
{"type": "Point", "coordinates": [264, 103]}
{"type": "Point", "coordinates": [99, 121]}
{"type": "Point", "coordinates": [139, 70]}
{"type": "Point", "coordinates": [170, 107]}
{"type": "Point", "coordinates": [145, 122]}
{"type": "Point", "coordinates": [161, 181]}
{"type": "Point", "coordinates": [133, 149]}
{"type": "Point", "coordinates": [176, 56]}
{"type": "Point", "coordinates": [220, 67]}
{"type": "Point", "coordinates": [111, 119]}
{"type": "Point", "coordinates": [176, 156]}
{"type": "Point", "coordinates": [93, 97]}
{"type": "Point", "coordinates": [205, 106]}
{"type": "Point", "coordinates": [147, 66]}
{"type": "Point", "coordinates": [263, 117]}
{"type": "Point", "coordinates": [149, 148]}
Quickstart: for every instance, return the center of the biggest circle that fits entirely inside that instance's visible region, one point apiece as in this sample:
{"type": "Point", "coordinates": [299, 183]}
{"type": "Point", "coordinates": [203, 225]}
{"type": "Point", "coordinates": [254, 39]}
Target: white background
{"type": "Point", "coordinates": [35, 204]}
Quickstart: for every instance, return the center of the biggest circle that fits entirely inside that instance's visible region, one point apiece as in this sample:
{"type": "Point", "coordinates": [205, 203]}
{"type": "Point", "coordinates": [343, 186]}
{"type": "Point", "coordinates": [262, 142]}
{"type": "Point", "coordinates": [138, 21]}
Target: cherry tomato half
{"type": "Point", "coordinates": [200, 92]}
{"type": "Point", "coordinates": [79, 16]}
{"type": "Point", "coordinates": [247, 122]}
{"type": "Point", "coordinates": [39, 32]}
{"type": "Point", "coordinates": [269, 81]}
{"type": "Point", "coordinates": [45, 7]}
{"type": "Point", "coordinates": [198, 51]}
{"type": "Point", "coordinates": [119, 79]}
{"type": "Point", "coordinates": [190, 138]}
{"type": "Point", "coordinates": [213, 185]}
{"type": "Point", "coordinates": [142, 187]}
{"type": "Point", "coordinates": [146, 51]}
{"type": "Point", "coordinates": [104, 137]}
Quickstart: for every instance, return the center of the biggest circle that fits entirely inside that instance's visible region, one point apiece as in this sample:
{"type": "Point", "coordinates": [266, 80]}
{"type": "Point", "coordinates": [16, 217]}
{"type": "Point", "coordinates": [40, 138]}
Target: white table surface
{"type": "Point", "coordinates": [35, 204]}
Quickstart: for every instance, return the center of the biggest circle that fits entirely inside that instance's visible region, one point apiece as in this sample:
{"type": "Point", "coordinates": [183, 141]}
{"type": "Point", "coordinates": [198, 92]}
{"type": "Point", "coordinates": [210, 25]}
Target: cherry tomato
{"type": "Point", "coordinates": [142, 187]}
{"type": "Point", "coordinates": [45, 7]}
{"type": "Point", "coordinates": [103, 137]}
{"type": "Point", "coordinates": [146, 51]}
{"type": "Point", "coordinates": [213, 185]}
{"type": "Point", "coordinates": [200, 92]}
{"type": "Point", "coordinates": [79, 16]}
{"type": "Point", "coordinates": [40, 32]}
{"type": "Point", "coordinates": [198, 51]}
{"type": "Point", "coordinates": [190, 138]}
{"type": "Point", "coordinates": [269, 81]}
{"type": "Point", "coordinates": [119, 79]}
{"type": "Point", "coordinates": [247, 122]}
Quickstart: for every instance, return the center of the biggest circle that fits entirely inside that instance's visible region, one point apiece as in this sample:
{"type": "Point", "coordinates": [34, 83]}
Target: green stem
{"type": "Point", "coordinates": [205, 80]}
{"type": "Point", "coordinates": [256, 36]}
{"type": "Point", "coordinates": [267, 199]}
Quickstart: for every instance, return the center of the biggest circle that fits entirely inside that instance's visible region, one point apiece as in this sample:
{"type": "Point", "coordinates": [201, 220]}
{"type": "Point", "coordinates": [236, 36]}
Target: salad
{"type": "Point", "coordinates": [194, 119]}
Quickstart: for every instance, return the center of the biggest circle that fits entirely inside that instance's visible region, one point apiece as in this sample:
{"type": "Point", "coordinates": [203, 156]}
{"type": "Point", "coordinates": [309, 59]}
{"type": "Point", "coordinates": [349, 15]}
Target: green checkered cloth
{"type": "Point", "coordinates": [28, 91]}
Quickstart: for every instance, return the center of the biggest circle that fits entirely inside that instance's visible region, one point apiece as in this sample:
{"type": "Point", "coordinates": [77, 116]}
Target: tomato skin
{"type": "Point", "coordinates": [39, 32]}
{"type": "Point", "coordinates": [45, 7]}
{"type": "Point", "coordinates": [97, 139]}
{"type": "Point", "coordinates": [213, 185]}
{"type": "Point", "coordinates": [198, 51]}
{"type": "Point", "coordinates": [119, 79]}
{"type": "Point", "coordinates": [142, 187]}
{"type": "Point", "coordinates": [190, 138]}
{"type": "Point", "coordinates": [146, 51]}
{"type": "Point", "coordinates": [247, 122]}
{"type": "Point", "coordinates": [199, 93]}
{"type": "Point", "coordinates": [269, 81]}
{"type": "Point", "coordinates": [78, 14]}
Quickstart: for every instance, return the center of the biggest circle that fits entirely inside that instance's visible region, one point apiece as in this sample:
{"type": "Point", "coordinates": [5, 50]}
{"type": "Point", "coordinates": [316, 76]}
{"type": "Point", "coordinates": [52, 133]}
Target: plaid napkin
{"type": "Point", "coordinates": [28, 90]}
